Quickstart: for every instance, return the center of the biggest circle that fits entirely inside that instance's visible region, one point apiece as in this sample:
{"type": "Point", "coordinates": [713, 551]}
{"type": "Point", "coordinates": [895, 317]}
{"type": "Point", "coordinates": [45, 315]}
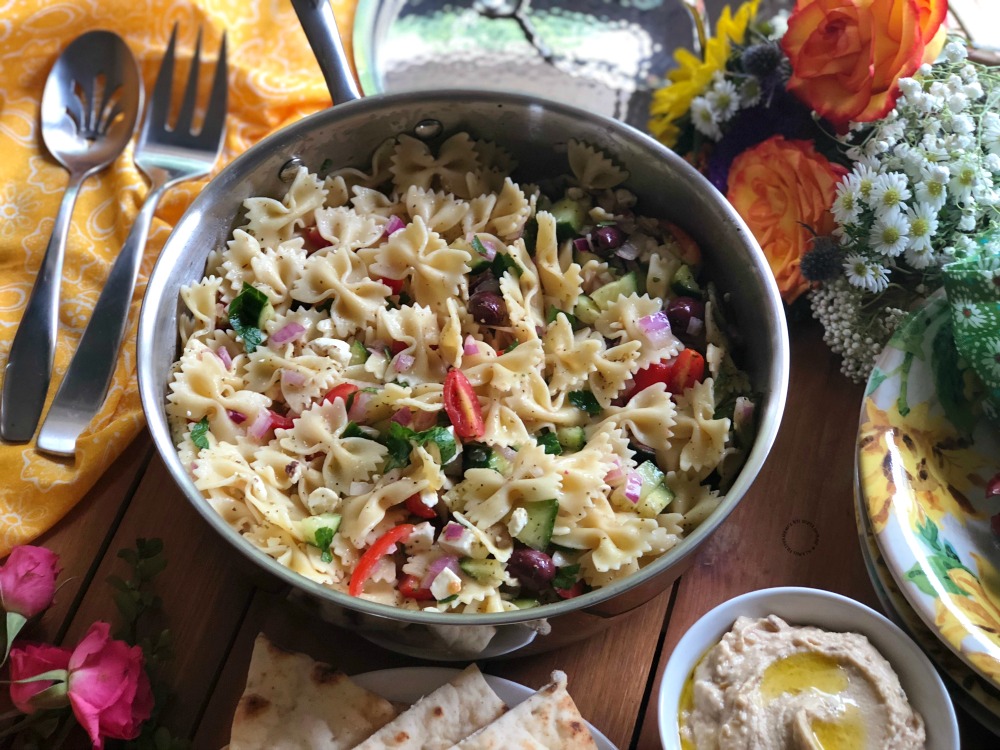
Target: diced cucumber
{"type": "Point", "coordinates": [476, 456]}
{"type": "Point", "coordinates": [524, 603]}
{"type": "Point", "coordinates": [482, 570]}
{"type": "Point", "coordinates": [571, 438]}
{"type": "Point", "coordinates": [309, 527]}
{"type": "Point", "coordinates": [583, 257]}
{"type": "Point", "coordinates": [585, 310]}
{"type": "Point", "coordinates": [555, 312]}
{"type": "Point", "coordinates": [478, 265]}
{"type": "Point", "coordinates": [651, 476]}
{"type": "Point", "coordinates": [626, 285]}
{"type": "Point", "coordinates": [359, 355]}
{"type": "Point", "coordinates": [541, 520]}
{"type": "Point", "coordinates": [571, 216]}
{"type": "Point", "coordinates": [497, 462]}
{"type": "Point", "coordinates": [530, 235]}
{"type": "Point", "coordinates": [684, 282]}
{"type": "Point", "coordinates": [655, 501]}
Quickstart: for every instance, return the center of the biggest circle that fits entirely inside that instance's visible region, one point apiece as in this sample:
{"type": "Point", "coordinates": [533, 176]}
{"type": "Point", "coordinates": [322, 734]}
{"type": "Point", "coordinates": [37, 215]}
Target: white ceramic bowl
{"type": "Point", "coordinates": [823, 609]}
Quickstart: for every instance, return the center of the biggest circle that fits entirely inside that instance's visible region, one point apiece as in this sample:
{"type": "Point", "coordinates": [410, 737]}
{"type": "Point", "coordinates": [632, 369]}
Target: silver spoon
{"type": "Point", "coordinates": [89, 110]}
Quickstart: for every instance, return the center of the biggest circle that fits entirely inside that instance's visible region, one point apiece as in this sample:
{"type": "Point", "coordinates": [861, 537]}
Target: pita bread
{"type": "Point", "coordinates": [440, 719]}
{"type": "Point", "coordinates": [548, 720]}
{"type": "Point", "coordinates": [292, 702]}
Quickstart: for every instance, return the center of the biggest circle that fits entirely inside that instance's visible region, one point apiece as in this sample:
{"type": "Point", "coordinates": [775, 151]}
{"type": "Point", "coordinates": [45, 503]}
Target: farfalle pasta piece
{"type": "Point", "coordinates": [381, 169]}
{"type": "Point", "coordinates": [436, 272]}
{"type": "Point", "coordinates": [345, 227]}
{"type": "Point", "coordinates": [298, 379]}
{"type": "Point", "coordinates": [698, 439]}
{"type": "Point", "coordinates": [592, 168]}
{"type": "Point", "coordinates": [368, 202]}
{"type": "Point", "coordinates": [414, 329]}
{"type": "Point", "coordinates": [503, 426]}
{"type": "Point", "coordinates": [272, 221]}
{"type": "Point", "coordinates": [341, 277]}
{"type": "Point", "coordinates": [503, 372]}
{"type": "Point", "coordinates": [649, 417]}
{"type": "Point", "coordinates": [614, 367]}
{"type": "Point", "coordinates": [271, 270]}
{"type": "Point", "coordinates": [347, 459]}
{"type": "Point", "coordinates": [522, 295]}
{"type": "Point", "coordinates": [201, 299]}
{"type": "Point", "coordinates": [562, 285]}
{"type": "Point", "coordinates": [441, 212]}
{"type": "Point", "coordinates": [570, 357]}
{"type": "Point", "coordinates": [620, 320]}
{"type": "Point", "coordinates": [510, 212]}
{"type": "Point", "coordinates": [457, 160]}
{"type": "Point", "coordinates": [693, 501]}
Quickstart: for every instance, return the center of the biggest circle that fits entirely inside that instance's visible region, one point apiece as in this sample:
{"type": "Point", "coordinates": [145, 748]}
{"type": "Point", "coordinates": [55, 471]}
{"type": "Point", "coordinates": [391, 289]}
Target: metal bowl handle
{"type": "Point", "coordinates": [316, 17]}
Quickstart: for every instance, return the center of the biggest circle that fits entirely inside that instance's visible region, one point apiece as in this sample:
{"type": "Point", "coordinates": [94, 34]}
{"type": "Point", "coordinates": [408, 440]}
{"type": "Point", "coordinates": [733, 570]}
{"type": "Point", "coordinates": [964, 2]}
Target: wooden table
{"type": "Point", "coordinates": [795, 527]}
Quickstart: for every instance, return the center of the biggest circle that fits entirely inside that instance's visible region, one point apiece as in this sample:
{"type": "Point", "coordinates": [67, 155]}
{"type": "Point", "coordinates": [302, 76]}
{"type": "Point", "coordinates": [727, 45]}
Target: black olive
{"type": "Point", "coordinates": [488, 308]}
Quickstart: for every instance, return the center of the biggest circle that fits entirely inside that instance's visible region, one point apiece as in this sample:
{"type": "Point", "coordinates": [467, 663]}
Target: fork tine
{"type": "Point", "coordinates": [159, 104]}
{"type": "Point", "coordinates": [191, 92]}
{"type": "Point", "coordinates": [215, 115]}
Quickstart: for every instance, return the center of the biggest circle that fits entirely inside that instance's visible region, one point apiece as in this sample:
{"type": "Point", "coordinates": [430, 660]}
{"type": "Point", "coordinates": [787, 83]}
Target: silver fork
{"type": "Point", "coordinates": [166, 156]}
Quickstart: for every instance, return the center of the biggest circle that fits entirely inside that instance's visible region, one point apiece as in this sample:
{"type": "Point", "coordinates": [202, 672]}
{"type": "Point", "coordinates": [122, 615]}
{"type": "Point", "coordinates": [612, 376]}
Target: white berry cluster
{"type": "Point", "coordinates": [926, 178]}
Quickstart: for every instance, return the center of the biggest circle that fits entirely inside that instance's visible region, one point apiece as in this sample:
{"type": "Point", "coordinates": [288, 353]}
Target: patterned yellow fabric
{"type": "Point", "coordinates": [273, 80]}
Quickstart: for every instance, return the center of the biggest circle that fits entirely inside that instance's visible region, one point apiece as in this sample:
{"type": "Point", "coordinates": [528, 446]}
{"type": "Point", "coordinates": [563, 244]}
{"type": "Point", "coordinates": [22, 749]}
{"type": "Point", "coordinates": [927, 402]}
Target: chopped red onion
{"type": "Point", "coordinates": [582, 244]}
{"type": "Point", "coordinates": [628, 250]}
{"type": "Point", "coordinates": [633, 486]}
{"type": "Point", "coordinates": [292, 377]}
{"type": "Point", "coordinates": [287, 332]}
{"type": "Point", "coordinates": [453, 531]}
{"type": "Point", "coordinates": [236, 417]}
{"type": "Point", "coordinates": [489, 247]}
{"type": "Point", "coordinates": [260, 425]}
{"type": "Point", "coordinates": [434, 569]}
{"type": "Point", "coordinates": [359, 406]}
{"type": "Point", "coordinates": [403, 362]}
{"type": "Point", "coordinates": [695, 326]}
{"type": "Point", "coordinates": [615, 474]}
{"type": "Point", "coordinates": [223, 354]}
{"type": "Point", "coordinates": [471, 346]}
{"type": "Point", "coordinates": [424, 420]}
{"type": "Point", "coordinates": [377, 349]}
{"type": "Point", "coordinates": [394, 225]}
{"type": "Point", "coordinates": [506, 451]}
{"type": "Point", "coordinates": [656, 328]}
{"type": "Point", "coordinates": [404, 416]}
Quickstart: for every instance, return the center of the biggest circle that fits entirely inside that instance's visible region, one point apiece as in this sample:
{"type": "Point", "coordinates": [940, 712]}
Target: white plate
{"type": "Point", "coordinates": [410, 684]}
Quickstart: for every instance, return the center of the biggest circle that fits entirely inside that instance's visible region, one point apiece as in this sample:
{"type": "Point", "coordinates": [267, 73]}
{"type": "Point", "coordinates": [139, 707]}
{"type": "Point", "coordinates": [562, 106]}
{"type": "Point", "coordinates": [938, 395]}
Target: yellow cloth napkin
{"type": "Point", "coordinates": [273, 80]}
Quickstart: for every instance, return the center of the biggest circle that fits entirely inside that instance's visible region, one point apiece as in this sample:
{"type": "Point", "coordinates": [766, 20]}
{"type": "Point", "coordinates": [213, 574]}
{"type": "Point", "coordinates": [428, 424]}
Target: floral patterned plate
{"type": "Point", "coordinates": [976, 695]}
{"type": "Point", "coordinates": [924, 457]}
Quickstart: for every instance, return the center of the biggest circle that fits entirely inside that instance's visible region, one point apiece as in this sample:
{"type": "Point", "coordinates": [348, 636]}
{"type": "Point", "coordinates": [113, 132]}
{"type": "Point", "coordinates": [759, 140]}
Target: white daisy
{"type": "Point", "coordinates": [866, 179]}
{"type": "Point", "coordinates": [724, 98]}
{"type": "Point", "coordinates": [965, 177]}
{"type": "Point", "coordinates": [864, 274]}
{"type": "Point", "coordinates": [890, 234]}
{"type": "Point", "coordinates": [846, 205]}
{"type": "Point", "coordinates": [750, 92]}
{"type": "Point", "coordinates": [888, 192]}
{"type": "Point", "coordinates": [932, 188]}
{"type": "Point", "coordinates": [704, 118]}
{"type": "Point", "coordinates": [990, 361]}
{"type": "Point", "coordinates": [970, 312]}
{"type": "Point", "coordinates": [923, 225]}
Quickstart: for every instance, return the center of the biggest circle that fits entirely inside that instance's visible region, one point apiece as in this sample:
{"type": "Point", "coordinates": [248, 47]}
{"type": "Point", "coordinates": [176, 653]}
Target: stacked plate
{"type": "Point", "coordinates": [924, 458]}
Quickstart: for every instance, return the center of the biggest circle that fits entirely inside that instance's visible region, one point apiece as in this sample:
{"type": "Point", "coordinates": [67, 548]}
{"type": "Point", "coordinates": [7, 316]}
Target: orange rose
{"type": "Point", "coordinates": [781, 187]}
{"type": "Point", "coordinates": [847, 56]}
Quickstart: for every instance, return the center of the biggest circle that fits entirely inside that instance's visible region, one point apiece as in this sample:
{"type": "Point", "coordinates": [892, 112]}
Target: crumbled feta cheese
{"type": "Point", "coordinates": [446, 584]}
{"type": "Point", "coordinates": [335, 349]}
{"type": "Point", "coordinates": [429, 497]}
{"type": "Point", "coordinates": [421, 539]}
{"type": "Point", "coordinates": [518, 520]}
{"type": "Point", "coordinates": [462, 546]}
{"type": "Point", "coordinates": [560, 560]}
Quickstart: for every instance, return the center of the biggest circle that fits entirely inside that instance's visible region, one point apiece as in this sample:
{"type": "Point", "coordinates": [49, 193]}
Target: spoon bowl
{"type": "Point", "coordinates": [89, 110]}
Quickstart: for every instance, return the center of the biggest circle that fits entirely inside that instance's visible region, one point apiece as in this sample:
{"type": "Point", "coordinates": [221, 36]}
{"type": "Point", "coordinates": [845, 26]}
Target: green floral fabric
{"type": "Point", "coordinates": [973, 289]}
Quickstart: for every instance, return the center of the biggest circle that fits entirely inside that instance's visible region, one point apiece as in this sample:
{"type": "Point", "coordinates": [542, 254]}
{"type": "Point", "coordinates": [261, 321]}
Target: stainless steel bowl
{"type": "Point", "coordinates": [536, 133]}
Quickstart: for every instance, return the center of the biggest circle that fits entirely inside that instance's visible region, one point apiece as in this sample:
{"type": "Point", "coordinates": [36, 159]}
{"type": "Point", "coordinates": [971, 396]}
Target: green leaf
{"type": "Point", "coordinates": [15, 622]}
{"type": "Point", "coordinates": [478, 246]}
{"type": "Point", "coordinates": [127, 604]}
{"type": "Point", "coordinates": [149, 547]}
{"type": "Point", "coordinates": [324, 538]}
{"type": "Point", "coordinates": [566, 577]}
{"type": "Point", "coordinates": [400, 437]}
{"type": "Point", "coordinates": [443, 438]}
{"type": "Point", "coordinates": [940, 565]}
{"type": "Point", "coordinates": [503, 263]}
{"type": "Point", "coordinates": [117, 583]}
{"type": "Point", "coordinates": [325, 166]}
{"type": "Point", "coordinates": [199, 432]}
{"type": "Point", "coordinates": [352, 430]}
{"type": "Point", "coordinates": [550, 441]}
{"type": "Point", "coordinates": [149, 568]}
{"type": "Point", "coordinates": [585, 401]}
{"type": "Point", "coordinates": [129, 555]}
{"type": "Point", "coordinates": [918, 577]}
{"type": "Point", "coordinates": [447, 599]}
{"type": "Point", "coordinates": [929, 532]}
{"type": "Point", "coordinates": [247, 313]}
{"type": "Point", "coordinates": [949, 381]}
{"type": "Point", "coordinates": [877, 378]}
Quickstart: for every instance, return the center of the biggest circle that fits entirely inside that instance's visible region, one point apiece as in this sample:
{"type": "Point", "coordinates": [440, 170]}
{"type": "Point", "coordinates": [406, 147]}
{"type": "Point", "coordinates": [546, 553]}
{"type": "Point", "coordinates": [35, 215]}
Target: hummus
{"type": "Point", "coordinates": [768, 685]}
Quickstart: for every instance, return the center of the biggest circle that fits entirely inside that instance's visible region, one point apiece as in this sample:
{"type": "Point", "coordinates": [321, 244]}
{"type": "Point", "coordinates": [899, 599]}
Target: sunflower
{"type": "Point", "coordinates": [693, 74]}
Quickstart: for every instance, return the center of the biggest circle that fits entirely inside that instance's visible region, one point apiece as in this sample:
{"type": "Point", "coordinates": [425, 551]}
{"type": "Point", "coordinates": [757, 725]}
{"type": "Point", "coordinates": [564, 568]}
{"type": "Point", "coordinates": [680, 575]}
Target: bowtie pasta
{"type": "Point", "coordinates": [433, 387]}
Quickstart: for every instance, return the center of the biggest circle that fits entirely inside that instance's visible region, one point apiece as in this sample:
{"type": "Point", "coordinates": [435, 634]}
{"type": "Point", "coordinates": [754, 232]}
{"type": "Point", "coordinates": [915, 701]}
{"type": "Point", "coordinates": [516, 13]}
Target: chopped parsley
{"type": "Point", "coordinates": [503, 263]}
{"type": "Point", "coordinates": [324, 168]}
{"type": "Point", "coordinates": [324, 538]}
{"type": "Point", "coordinates": [512, 347]}
{"type": "Point", "coordinates": [566, 577]}
{"type": "Point", "coordinates": [199, 433]}
{"type": "Point", "coordinates": [478, 246]}
{"type": "Point", "coordinates": [447, 599]}
{"type": "Point", "coordinates": [585, 401]}
{"type": "Point", "coordinates": [353, 430]}
{"type": "Point", "coordinates": [550, 441]}
{"type": "Point", "coordinates": [246, 314]}
{"type": "Point", "coordinates": [399, 438]}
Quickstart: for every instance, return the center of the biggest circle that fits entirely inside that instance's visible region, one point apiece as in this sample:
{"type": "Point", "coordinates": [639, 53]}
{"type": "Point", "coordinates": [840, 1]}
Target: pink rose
{"type": "Point", "coordinates": [108, 687]}
{"type": "Point", "coordinates": [28, 580]}
{"type": "Point", "coordinates": [35, 660]}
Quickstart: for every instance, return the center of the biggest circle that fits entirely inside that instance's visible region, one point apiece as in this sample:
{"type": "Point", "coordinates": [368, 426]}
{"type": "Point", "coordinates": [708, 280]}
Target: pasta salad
{"type": "Point", "coordinates": [430, 386]}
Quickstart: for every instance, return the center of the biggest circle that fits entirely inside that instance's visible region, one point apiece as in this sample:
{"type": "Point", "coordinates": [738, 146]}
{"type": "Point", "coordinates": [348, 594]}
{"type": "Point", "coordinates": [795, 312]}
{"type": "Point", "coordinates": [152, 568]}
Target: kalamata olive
{"type": "Point", "coordinates": [484, 282]}
{"type": "Point", "coordinates": [488, 308]}
{"type": "Point", "coordinates": [681, 310]}
{"type": "Point", "coordinates": [533, 569]}
{"type": "Point", "coordinates": [608, 238]}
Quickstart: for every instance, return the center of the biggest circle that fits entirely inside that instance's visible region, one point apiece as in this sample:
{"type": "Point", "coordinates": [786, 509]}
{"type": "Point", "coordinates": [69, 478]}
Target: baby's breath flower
{"type": "Point", "coordinates": [954, 52]}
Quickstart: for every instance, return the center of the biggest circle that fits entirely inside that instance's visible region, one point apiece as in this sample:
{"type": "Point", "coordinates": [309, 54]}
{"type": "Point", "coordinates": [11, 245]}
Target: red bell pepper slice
{"type": "Point", "coordinates": [410, 588]}
{"type": "Point", "coordinates": [344, 390]}
{"type": "Point", "coordinates": [381, 547]}
{"type": "Point", "coordinates": [462, 406]}
{"type": "Point", "coordinates": [395, 285]}
{"type": "Point", "coordinates": [280, 422]}
{"type": "Point", "coordinates": [678, 374]}
{"type": "Point", "coordinates": [416, 507]}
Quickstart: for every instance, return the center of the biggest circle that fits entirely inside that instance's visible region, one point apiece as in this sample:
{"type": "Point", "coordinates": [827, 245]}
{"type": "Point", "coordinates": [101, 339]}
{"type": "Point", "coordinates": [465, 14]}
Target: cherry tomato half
{"type": "Point", "coordinates": [572, 592]}
{"type": "Point", "coordinates": [314, 240]}
{"type": "Point", "coordinates": [397, 347]}
{"type": "Point", "coordinates": [373, 554]}
{"type": "Point", "coordinates": [410, 587]}
{"type": "Point", "coordinates": [344, 390]}
{"type": "Point", "coordinates": [280, 422]}
{"type": "Point", "coordinates": [416, 506]}
{"type": "Point", "coordinates": [462, 406]}
{"type": "Point", "coordinates": [678, 374]}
